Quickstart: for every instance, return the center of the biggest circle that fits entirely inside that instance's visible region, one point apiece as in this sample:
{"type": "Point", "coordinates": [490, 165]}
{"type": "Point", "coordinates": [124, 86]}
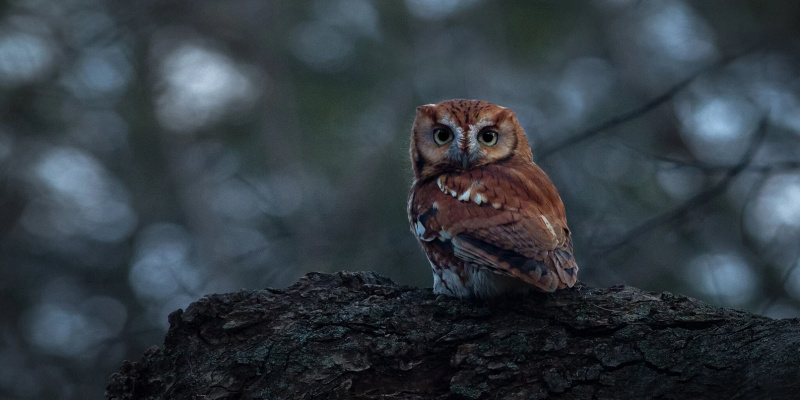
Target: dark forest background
{"type": "Point", "coordinates": [155, 151]}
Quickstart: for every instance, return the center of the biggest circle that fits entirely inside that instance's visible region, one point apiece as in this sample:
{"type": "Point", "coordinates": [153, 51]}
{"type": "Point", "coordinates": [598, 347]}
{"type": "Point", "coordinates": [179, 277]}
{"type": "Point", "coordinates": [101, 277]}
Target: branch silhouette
{"type": "Point", "coordinates": [695, 201]}
{"type": "Point", "coordinates": [642, 110]}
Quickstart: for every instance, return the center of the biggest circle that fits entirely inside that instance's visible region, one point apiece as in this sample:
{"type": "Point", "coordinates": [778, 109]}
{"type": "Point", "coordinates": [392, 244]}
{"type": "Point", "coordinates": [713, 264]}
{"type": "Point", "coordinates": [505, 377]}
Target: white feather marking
{"type": "Point", "coordinates": [443, 235]}
{"type": "Point", "coordinates": [441, 184]}
{"type": "Point", "coordinates": [550, 227]}
{"type": "Point", "coordinates": [448, 283]}
{"type": "Point", "coordinates": [478, 198]}
{"type": "Point", "coordinates": [474, 129]}
{"type": "Point", "coordinates": [420, 229]}
{"type": "Point", "coordinates": [453, 193]}
{"type": "Point", "coordinates": [435, 205]}
{"type": "Point", "coordinates": [457, 130]}
{"type": "Point", "coordinates": [497, 205]}
{"type": "Point", "coordinates": [464, 196]}
{"type": "Point", "coordinates": [479, 283]}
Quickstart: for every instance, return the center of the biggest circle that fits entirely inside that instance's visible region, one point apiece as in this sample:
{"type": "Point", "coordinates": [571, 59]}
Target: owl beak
{"type": "Point", "coordinates": [464, 158]}
{"type": "Point", "coordinates": [460, 157]}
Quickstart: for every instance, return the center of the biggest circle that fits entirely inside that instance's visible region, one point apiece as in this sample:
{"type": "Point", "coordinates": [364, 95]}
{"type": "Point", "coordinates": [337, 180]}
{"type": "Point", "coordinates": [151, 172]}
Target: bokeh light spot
{"type": "Point", "coordinates": [434, 9]}
{"type": "Point", "coordinates": [100, 72]}
{"type": "Point", "coordinates": [322, 47]}
{"type": "Point", "coordinates": [66, 329]}
{"type": "Point", "coordinates": [722, 277]}
{"type": "Point", "coordinates": [350, 14]}
{"type": "Point", "coordinates": [776, 213]}
{"type": "Point", "coordinates": [675, 30]}
{"type": "Point", "coordinates": [162, 266]}
{"type": "Point", "coordinates": [23, 57]}
{"type": "Point", "coordinates": [201, 85]}
{"type": "Point", "coordinates": [715, 127]}
{"type": "Point", "coordinates": [85, 199]}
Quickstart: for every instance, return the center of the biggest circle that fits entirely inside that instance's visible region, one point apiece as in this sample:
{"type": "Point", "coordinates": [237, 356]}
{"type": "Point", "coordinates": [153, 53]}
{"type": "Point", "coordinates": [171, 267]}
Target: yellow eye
{"type": "Point", "coordinates": [488, 138]}
{"type": "Point", "coordinates": [442, 135]}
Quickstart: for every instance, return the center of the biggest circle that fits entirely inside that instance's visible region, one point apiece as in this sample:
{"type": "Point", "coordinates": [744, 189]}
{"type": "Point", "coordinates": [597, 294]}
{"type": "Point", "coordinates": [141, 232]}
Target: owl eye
{"type": "Point", "coordinates": [488, 138]}
{"type": "Point", "coordinates": [442, 135]}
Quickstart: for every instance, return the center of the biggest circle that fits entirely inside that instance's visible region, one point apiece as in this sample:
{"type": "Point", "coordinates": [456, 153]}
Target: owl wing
{"type": "Point", "coordinates": [508, 220]}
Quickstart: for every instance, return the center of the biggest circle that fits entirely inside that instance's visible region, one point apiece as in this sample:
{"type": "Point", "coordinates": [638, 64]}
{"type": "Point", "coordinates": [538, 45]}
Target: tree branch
{"type": "Point", "coordinates": [695, 201]}
{"type": "Point", "coordinates": [638, 112]}
{"type": "Point", "coordinates": [361, 336]}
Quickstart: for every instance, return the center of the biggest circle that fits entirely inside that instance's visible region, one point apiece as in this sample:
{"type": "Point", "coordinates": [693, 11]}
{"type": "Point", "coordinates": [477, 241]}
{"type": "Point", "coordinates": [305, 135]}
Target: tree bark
{"type": "Point", "coordinates": [361, 336]}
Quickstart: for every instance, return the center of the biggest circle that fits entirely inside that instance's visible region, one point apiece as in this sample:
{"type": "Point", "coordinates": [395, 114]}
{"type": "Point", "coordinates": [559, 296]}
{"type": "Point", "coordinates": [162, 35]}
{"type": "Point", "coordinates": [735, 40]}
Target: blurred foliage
{"type": "Point", "coordinates": [155, 151]}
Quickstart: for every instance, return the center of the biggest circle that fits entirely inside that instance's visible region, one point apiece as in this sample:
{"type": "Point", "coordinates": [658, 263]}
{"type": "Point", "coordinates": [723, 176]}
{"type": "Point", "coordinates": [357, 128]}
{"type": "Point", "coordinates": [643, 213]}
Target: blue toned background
{"type": "Point", "coordinates": [154, 151]}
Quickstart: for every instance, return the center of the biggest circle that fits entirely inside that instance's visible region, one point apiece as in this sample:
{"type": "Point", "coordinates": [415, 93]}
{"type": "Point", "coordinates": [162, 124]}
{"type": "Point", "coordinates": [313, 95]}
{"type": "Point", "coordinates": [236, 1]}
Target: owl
{"type": "Point", "coordinates": [487, 217]}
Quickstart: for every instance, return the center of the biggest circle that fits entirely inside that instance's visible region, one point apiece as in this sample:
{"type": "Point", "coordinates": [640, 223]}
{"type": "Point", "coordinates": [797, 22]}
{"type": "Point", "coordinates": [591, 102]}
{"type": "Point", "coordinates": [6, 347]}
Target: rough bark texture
{"type": "Point", "coordinates": [361, 336]}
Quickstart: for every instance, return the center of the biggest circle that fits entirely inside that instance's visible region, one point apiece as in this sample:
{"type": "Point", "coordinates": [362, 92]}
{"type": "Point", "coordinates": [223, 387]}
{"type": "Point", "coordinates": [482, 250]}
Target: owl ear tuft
{"type": "Point", "coordinates": [506, 114]}
{"type": "Point", "coordinates": [427, 110]}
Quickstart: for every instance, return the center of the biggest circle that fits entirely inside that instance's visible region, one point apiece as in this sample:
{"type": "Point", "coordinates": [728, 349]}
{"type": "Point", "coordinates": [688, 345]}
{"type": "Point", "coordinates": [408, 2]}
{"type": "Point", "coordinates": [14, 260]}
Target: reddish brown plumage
{"type": "Point", "coordinates": [493, 216]}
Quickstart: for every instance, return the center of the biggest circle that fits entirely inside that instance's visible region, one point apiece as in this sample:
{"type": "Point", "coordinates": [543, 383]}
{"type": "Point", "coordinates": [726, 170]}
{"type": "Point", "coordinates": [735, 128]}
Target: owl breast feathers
{"type": "Point", "coordinates": [488, 218]}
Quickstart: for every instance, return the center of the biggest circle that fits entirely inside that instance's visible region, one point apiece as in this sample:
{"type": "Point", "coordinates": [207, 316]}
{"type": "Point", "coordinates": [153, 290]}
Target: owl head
{"type": "Point", "coordinates": [464, 134]}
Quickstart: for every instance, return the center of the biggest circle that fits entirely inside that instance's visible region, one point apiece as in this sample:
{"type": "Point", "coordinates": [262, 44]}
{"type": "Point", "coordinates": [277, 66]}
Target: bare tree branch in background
{"type": "Point", "coordinates": [693, 202]}
{"type": "Point", "coordinates": [642, 110]}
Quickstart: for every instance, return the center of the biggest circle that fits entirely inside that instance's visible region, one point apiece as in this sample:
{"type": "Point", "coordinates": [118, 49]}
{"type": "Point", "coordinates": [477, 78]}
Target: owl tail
{"type": "Point", "coordinates": [563, 263]}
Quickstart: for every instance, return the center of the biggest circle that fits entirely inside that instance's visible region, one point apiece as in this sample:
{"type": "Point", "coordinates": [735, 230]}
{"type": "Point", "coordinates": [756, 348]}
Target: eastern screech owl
{"type": "Point", "coordinates": [488, 218]}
